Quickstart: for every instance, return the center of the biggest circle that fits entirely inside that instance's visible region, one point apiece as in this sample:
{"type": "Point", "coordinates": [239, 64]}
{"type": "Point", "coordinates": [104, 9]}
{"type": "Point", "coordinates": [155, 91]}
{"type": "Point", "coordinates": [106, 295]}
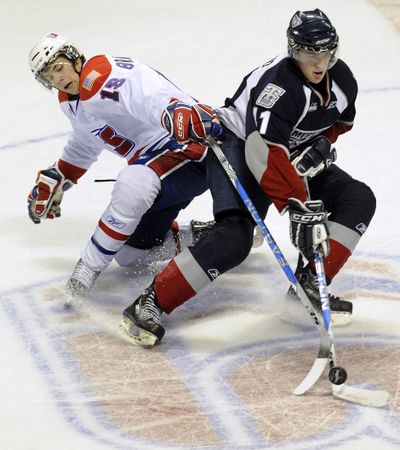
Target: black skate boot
{"type": "Point", "coordinates": [199, 229]}
{"type": "Point", "coordinates": [141, 320]}
{"type": "Point", "coordinates": [341, 310]}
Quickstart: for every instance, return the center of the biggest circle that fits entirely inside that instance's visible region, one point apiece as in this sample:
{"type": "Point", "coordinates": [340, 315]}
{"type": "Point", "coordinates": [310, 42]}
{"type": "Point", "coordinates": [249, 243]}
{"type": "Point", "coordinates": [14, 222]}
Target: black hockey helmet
{"type": "Point", "coordinates": [312, 31]}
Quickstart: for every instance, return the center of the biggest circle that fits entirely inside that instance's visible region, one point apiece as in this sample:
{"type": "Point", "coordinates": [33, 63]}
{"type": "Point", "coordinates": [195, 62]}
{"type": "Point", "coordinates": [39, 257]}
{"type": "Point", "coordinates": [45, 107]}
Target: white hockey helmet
{"type": "Point", "coordinates": [47, 50]}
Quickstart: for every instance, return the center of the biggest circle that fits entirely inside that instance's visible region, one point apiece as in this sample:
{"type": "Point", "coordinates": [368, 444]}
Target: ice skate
{"type": "Point", "coordinates": [81, 280]}
{"type": "Point", "coordinates": [141, 320]}
{"type": "Point", "coordinates": [341, 310]}
{"type": "Point", "coordinates": [258, 238]}
{"type": "Point", "coordinates": [199, 228]}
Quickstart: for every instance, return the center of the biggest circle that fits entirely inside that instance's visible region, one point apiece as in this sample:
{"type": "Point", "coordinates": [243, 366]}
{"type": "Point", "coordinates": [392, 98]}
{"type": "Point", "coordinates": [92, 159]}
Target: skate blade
{"type": "Point", "coordinates": [340, 319]}
{"type": "Point", "coordinates": [296, 314]}
{"type": "Point", "coordinates": [136, 335]}
{"type": "Point", "coordinates": [258, 238]}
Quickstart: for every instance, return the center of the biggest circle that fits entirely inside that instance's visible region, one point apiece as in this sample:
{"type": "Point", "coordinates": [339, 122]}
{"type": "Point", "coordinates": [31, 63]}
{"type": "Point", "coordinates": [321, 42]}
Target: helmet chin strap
{"type": "Point", "coordinates": [82, 61]}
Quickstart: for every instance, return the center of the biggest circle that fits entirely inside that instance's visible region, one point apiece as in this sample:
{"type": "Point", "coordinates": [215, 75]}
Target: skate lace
{"type": "Point", "coordinates": [333, 299]}
{"type": "Point", "coordinates": [149, 308]}
{"type": "Point", "coordinates": [84, 274]}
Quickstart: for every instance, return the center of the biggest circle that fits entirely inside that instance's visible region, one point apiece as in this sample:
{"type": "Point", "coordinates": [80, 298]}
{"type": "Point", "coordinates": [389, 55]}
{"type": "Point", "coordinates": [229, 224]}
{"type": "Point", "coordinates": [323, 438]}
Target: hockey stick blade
{"type": "Point", "coordinates": [366, 397]}
{"type": "Point", "coordinates": [326, 348]}
{"type": "Point", "coordinates": [312, 377]}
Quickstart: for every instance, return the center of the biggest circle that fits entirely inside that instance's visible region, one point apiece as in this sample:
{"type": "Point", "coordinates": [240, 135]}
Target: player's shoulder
{"type": "Point", "coordinates": [281, 72]}
{"type": "Point", "coordinates": [94, 74]}
{"type": "Point", "coordinates": [280, 83]}
{"type": "Point", "coordinates": [341, 66]}
{"type": "Point", "coordinates": [342, 74]}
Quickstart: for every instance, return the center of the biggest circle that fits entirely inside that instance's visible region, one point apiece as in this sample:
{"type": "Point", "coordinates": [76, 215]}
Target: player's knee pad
{"type": "Point", "coordinates": [135, 191]}
{"type": "Point", "coordinates": [366, 201]}
{"type": "Point", "coordinates": [356, 205]}
{"type": "Point", "coordinates": [360, 204]}
{"type": "Point", "coordinates": [226, 246]}
{"type": "Point", "coordinates": [234, 234]}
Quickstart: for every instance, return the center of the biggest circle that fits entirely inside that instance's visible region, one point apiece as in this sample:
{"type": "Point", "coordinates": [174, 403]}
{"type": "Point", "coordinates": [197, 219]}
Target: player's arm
{"type": "Point", "coordinates": [284, 185]}
{"type": "Point", "coordinates": [51, 183]}
{"type": "Point", "coordinates": [346, 120]}
{"type": "Point", "coordinates": [267, 154]}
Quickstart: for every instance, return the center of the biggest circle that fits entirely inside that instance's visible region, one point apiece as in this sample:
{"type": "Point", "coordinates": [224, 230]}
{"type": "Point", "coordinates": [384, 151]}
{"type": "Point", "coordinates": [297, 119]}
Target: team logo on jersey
{"type": "Point", "coordinates": [361, 227]}
{"type": "Point", "coordinates": [313, 107]}
{"type": "Point", "coordinates": [88, 82]}
{"type": "Point", "coordinates": [332, 104]}
{"type": "Point", "coordinates": [115, 222]}
{"type": "Point", "coordinates": [269, 95]}
{"type": "Point", "coordinates": [214, 273]}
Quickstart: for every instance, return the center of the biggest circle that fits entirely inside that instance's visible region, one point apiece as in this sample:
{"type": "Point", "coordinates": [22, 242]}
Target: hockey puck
{"type": "Point", "coordinates": [337, 375]}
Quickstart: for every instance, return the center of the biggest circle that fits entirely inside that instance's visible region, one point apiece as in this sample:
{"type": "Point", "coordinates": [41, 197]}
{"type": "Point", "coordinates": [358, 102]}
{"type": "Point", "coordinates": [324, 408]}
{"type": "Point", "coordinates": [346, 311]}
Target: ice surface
{"type": "Point", "coordinates": [224, 374]}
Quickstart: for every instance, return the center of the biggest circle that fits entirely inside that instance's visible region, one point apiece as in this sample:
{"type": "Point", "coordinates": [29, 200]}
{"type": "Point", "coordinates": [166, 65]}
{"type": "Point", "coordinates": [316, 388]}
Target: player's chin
{"type": "Point", "coordinates": [317, 77]}
{"type": "Point", "coordinates": [70, 88]}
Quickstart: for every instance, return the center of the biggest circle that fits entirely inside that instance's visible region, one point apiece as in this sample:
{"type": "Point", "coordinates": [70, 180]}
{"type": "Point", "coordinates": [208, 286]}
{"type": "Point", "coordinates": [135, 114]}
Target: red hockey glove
{"type": "Point", "coordinates": [45, 198]}
{"type": "Point", "coordinates": [185, 122]}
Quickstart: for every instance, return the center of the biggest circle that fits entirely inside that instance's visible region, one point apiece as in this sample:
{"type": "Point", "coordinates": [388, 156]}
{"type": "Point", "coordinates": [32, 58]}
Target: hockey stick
{"type": "Point", "coordinates": [326, 351]}
{"type": "Point", "coordinates": [337, 374]}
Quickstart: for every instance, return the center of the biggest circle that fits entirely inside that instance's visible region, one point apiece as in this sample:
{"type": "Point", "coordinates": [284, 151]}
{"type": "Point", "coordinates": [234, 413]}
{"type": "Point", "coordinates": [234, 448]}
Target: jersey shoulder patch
{"type": "Point", "coordinates": [94, 74]}
{"type": "Point", "coordinates": [269, 95]}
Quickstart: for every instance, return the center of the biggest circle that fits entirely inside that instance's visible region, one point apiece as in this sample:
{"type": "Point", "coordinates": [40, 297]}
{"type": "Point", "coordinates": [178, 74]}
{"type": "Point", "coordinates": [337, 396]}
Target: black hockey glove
{"type": "Point", "coordinates": [308, 228]}
{"type": "Point", "coordinates": [315, 158]}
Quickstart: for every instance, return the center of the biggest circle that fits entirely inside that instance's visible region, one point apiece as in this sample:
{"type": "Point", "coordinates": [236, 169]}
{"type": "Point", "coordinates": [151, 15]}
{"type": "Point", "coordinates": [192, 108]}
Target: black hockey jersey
{"type": "Point", "coordinates": [276, 101]}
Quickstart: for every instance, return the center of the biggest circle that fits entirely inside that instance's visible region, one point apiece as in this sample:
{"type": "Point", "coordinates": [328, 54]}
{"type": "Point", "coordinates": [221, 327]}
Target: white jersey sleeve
{"type": "Point", "coordinates": [119, 109]}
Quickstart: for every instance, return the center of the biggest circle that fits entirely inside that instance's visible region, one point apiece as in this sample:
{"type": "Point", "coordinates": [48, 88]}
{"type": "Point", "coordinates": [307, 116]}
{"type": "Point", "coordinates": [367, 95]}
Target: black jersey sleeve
{"type": "Point", "coordinates": [343, 76]}
{"type": "Point", "coordinates": [274, 109]}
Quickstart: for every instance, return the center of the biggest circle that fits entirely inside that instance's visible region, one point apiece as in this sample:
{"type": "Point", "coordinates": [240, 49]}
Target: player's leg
{"type": "Point", "coordinates": [197, 266]}
{"type": "Point", "coordinates": [148, 246]}
{"type": "Point", "coordinates": [351, 204]}
{"type": "Point", "coordinates": [158, 236]}
{"type": "Point", "coordinates": [135, 190]}
{"type": "Point", "coordinates": [156, 183]}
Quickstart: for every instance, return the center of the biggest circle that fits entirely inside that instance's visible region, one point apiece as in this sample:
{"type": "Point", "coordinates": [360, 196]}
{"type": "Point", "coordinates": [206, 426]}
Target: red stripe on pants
{"type": "Point", "coordinates": [336, 259]}
{"type": "Point", "coordinates": [113, 234]}
{"type": "Point", "coordinates": [172, 288]}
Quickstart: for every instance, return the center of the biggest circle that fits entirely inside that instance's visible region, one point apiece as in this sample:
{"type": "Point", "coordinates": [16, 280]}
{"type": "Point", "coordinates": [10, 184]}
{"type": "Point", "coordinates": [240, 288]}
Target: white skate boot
{"type": "Point", "coordinates": [81, 280]}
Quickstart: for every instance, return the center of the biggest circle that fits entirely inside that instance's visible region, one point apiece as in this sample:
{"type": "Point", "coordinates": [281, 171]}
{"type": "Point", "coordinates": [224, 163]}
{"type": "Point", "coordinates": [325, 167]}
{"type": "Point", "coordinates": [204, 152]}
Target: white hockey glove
{"type": "Point", "coordinates": [308, 229]}
{"type": "Point", "coordinates": [45, 198]}
{"type": "Point", "coordinates": [315, 158]}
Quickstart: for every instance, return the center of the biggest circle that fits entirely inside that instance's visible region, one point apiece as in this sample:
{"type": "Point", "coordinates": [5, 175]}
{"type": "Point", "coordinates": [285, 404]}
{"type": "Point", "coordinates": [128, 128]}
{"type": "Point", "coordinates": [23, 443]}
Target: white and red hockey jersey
{"type": "Point", "coordinates": [118, 108]}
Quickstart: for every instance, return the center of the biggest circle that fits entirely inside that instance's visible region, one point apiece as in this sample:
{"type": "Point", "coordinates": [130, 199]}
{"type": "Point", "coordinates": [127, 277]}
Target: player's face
{"type": "Point", "coordinates": [313, 65]}
{"type": "Point", "coordinates": [63, 76]}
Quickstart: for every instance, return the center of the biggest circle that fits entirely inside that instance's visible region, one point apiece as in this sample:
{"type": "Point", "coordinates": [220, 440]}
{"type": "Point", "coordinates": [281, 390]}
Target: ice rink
{"type": "Point", "coordinates": [224, 373]}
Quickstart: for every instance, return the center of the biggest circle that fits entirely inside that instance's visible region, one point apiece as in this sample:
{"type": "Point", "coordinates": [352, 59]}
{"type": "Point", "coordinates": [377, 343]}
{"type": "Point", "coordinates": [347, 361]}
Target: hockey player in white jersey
{"type": "Point", "coordinates": [116, 103]}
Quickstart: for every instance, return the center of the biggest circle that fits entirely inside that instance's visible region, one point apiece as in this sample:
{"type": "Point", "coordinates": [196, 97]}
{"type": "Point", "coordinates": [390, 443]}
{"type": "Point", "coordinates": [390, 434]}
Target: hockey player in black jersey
{"type": "Point", "coordinates": [278, 128]}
